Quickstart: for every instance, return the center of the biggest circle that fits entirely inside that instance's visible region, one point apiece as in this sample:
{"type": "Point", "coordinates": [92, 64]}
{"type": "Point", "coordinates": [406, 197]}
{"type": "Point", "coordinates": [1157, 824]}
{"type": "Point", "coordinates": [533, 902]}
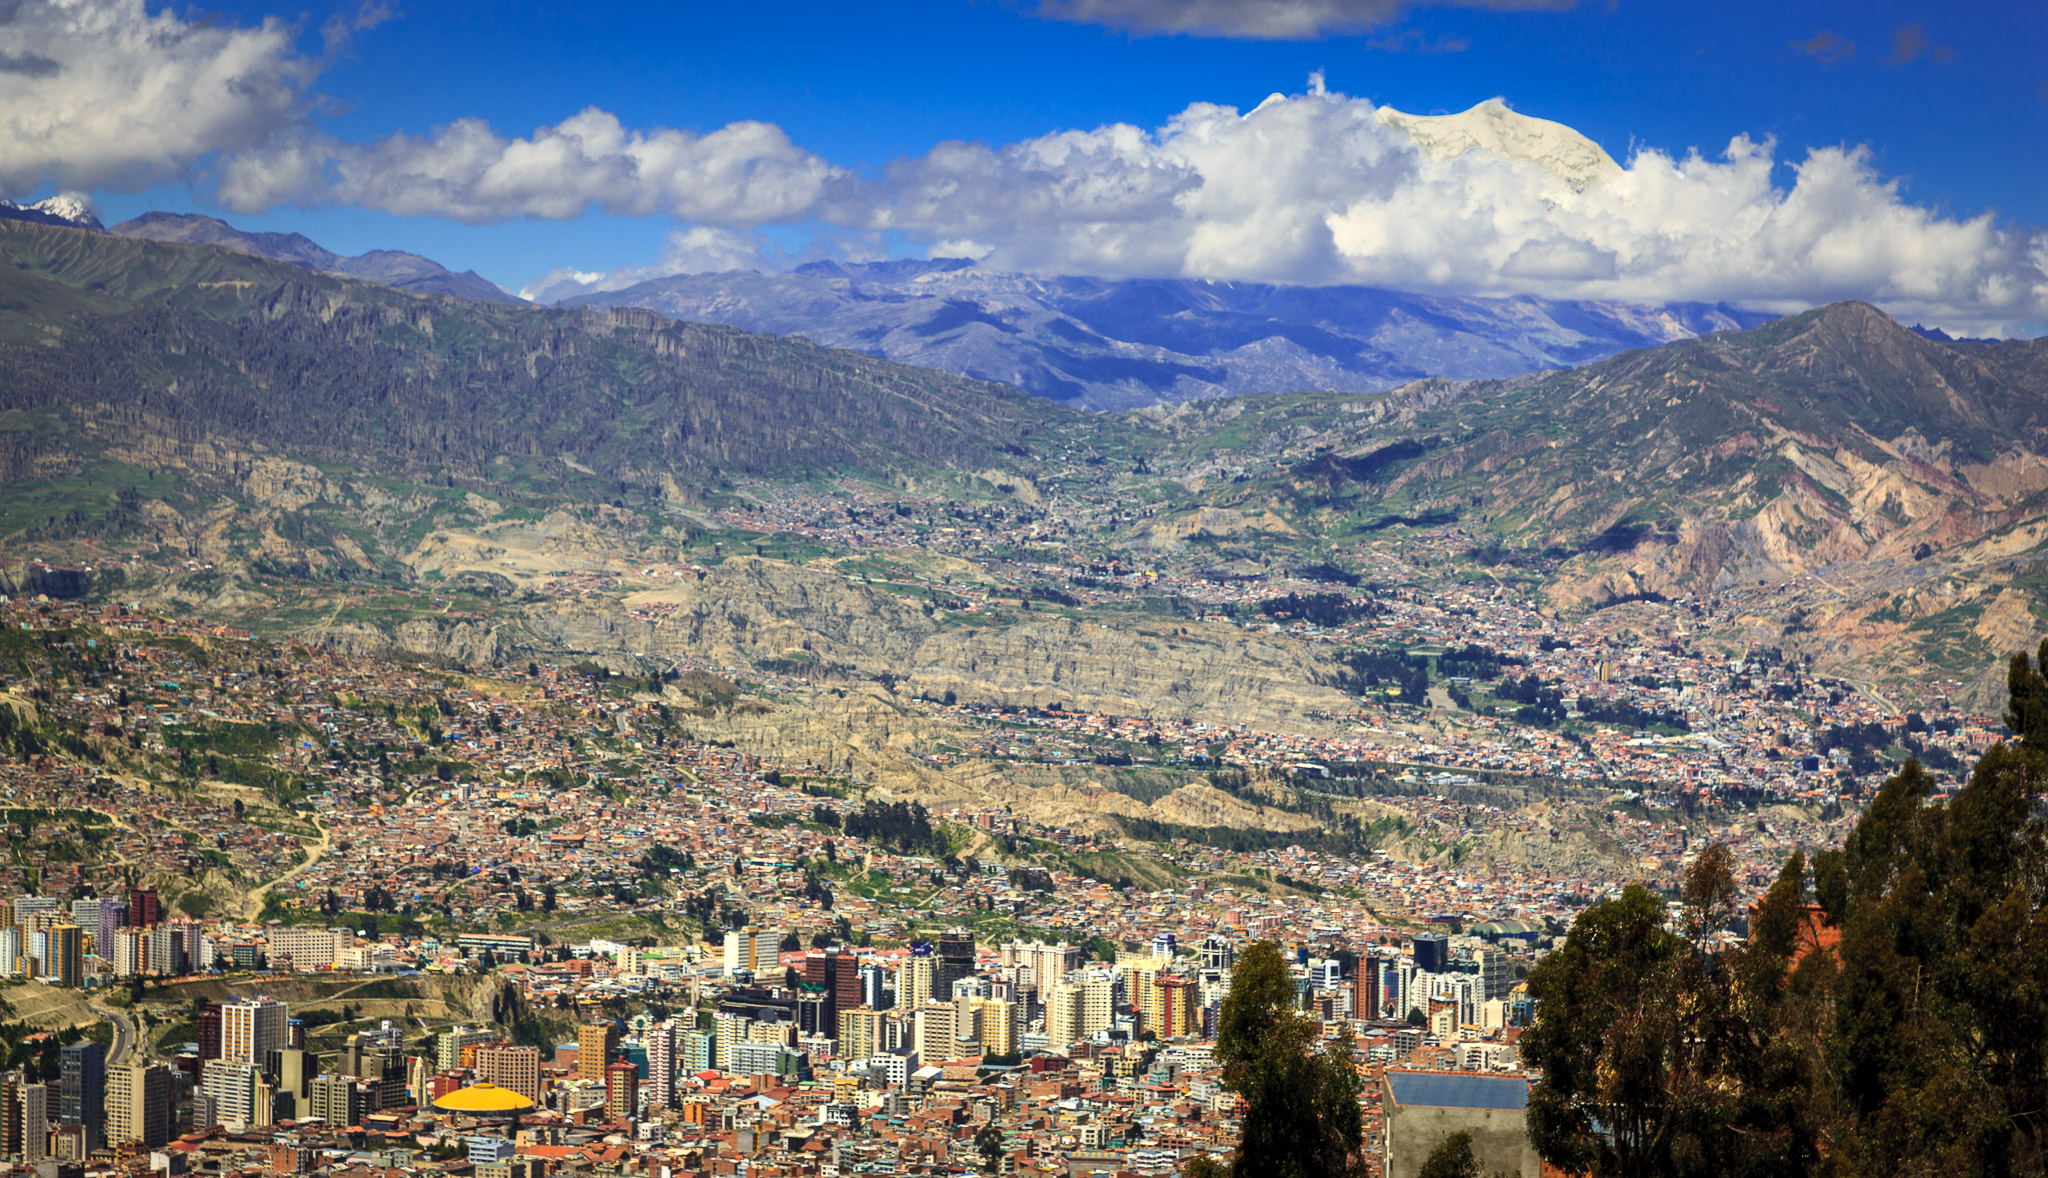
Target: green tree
{"type": "Point", "coordinates": [1452, 1158]}
{"type": "Point", "coordinates": [1661, 1054]}
{"type": "Point", "coordinates": [1932, 1016]}
{"type": "Point", "coordinates": [988, 1142]}
{"type": "Point", "coordinates": [1301, 1117]}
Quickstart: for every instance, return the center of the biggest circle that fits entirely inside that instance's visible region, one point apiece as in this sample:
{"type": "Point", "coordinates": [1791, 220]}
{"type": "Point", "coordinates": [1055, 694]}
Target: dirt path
{"type": "Point", "coordinates": [252, 904]}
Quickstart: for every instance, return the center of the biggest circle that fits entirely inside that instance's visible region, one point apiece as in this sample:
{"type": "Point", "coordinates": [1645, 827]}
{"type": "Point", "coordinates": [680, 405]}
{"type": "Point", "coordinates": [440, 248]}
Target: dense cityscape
{"type": "Point", "coordinates": [691, 958]}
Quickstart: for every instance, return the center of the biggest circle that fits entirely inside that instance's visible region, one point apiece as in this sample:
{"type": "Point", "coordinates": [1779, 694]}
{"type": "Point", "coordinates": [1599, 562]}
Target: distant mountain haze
{"type": "Point", "coordinates": [1108, 345]}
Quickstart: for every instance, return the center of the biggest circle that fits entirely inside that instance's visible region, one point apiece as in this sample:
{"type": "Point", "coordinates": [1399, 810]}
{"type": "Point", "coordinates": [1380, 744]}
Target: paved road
{"type": "Point", "coordinates": [124, 1032]}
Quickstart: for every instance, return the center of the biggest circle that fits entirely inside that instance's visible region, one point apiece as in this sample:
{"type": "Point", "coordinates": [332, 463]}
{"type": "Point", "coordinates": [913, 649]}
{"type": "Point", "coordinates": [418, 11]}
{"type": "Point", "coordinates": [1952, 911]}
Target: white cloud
{"type": "Point", "coordinates": [745, 173]}
{"type": "Point", "coordinates": [697, 249]}
{"type": "Point", "coordinates": [101, 94]}
{"type": "Point", "coordinates": [1316, 188]}
{"type": "Point", "coordinates": [1309, 188]}
{"type": "Point", "coordinates": [1256, 20]}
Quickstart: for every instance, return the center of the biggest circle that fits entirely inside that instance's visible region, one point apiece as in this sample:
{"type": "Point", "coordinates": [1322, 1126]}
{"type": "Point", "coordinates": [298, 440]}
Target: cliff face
{"type": "Point", "coordinates": [768, 615]}
{"type": "Point", "coordinates": [1201, 670]}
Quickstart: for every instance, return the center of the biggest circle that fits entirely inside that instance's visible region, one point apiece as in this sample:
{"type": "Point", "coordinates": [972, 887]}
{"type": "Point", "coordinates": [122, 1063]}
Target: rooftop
{"type": "Point", "coordinates": [1458, 1090]}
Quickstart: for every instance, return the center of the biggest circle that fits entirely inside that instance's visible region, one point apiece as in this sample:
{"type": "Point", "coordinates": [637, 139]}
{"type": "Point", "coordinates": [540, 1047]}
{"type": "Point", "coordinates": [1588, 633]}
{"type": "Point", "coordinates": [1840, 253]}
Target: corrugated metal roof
{"type": "Point", "coordinates": [1448, 1090]}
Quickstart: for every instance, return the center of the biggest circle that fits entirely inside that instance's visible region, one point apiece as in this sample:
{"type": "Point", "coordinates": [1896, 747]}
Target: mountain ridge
{"type": "Point", "coordinates": [395, 268]}
{"type": "Point", "coordinates": [1120, 344]}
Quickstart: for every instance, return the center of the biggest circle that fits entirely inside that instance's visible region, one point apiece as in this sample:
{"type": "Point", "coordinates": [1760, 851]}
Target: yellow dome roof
{"type": "Point", "coordinates": [483, 1098]}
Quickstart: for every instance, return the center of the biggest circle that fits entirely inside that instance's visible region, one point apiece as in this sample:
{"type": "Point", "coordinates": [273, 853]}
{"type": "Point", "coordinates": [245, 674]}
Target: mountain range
{"type": "Point", "coordinates": [1100, 344]}
{"type": "Point", "coordinates": [1882, 492]}
{"type": "Point", "coordinates": [1093, 343]}
{"type": "Point", "coordinates": [389, 267]}
{"type": "Point", "coordinates": [1108, 345]}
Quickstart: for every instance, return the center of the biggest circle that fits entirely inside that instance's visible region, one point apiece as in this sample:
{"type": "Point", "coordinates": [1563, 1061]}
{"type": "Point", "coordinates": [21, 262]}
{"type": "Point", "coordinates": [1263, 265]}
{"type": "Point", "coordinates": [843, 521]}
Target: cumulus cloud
{"type": "Point", "coordinates": [1256, 20]}
{"type": "Point", "coordinates": [102, 94]}
{"type": "Point", "coordinates": [745, 173]}
{"type": "Point", "coordinates": [1318, 188]}
{"type": "Point", "coordinates": [1310, 188]}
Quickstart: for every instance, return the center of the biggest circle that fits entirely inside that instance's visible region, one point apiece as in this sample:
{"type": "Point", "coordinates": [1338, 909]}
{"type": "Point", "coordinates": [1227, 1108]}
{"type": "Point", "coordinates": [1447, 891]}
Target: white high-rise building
{"type": "Point", "coordinates": [936, 1032]}
{"type": "Point", "coordinates": [1049, 964]}
{"type": "Point", "coordinates": [1077, 1009]}
{"type": "Point", "coordinates": [661, 1066]}
{"type": "Point", "coordinates": [250, 1028]}
{"type": "Point", "coordinates": [130, 953]}
{"type": "Point", "coordinates": [732, 1031]}
{"type": "Point", "coordinates": [755, 951]}
{"type": "Point", "coordinates": [233, 1089]}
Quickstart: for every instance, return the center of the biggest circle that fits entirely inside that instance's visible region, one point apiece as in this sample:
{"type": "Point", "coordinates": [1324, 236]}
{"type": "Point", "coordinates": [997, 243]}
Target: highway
{"type": "Point", "coordinates": [124, 1034]}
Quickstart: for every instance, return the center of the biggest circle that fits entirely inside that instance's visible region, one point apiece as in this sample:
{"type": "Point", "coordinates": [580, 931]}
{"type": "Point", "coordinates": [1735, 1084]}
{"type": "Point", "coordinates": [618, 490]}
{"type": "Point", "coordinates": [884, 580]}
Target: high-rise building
{"type": "Point", "coordinates": [232, 1086]}
{"type": "Point", "coordinates": [660, 1040]}
{"type": "Point", "coordinates": [996, 1019]}
{"type": "Point", "coordinates": [1217, 952]}
{"type": "Point", "coordinates": [514, 1068]}
{"type": "Point", "coordinates": [1140, 986]}
{"type": "Point", "coordinates": [167, 951]}
{"type": "Point", "coordinates": [307, 948]}
{"type": "Point", "coordinates": [917, 978]}
{"type": "Point", "coordinates": [86, 915]}
{"type": "Point", "coordinates": [252, 1027]}
{"type": "Point", "coordinates": [1049, 964]}
{"type": "Point", "coordinates": [1079, 1008]}
{"type": "Point", "coordinates": [131, 952]}
{"type": "Point", "coordinates": [622, 1091]}
{"type": "Point", "coordinates": [263, 1103]}
{"type": "Point", "coordinates": [450, 1044]}
{"type": "Point", "coordinates": [209, 1032]}
{"type": "Point", "coordinates": [82, 1094]}
{"type": "Point", "coordinates": [695, 1050]}
{"type": "Point", "coordinates": [860, 1033]}
{"type": "Point", "coordinates": [955, 960]}
{"type": "Point", "coordinates": [13, 947]}
{"type": "Point", "coordinates": [113, 914]}
{"type": "Point", "coordinates": [294, 1070]}
{"type": "Point", "coordinates": [66, 962]}
{"type": "Point", "coordinates": [596, 1044]}
{"type": "Point", "coordinates": [1180, 1008]}
{"type": "Point", "coordinates": [732, 1031]}
{"type": "Point", "coordinates": [28, 1120]}
{"type": "Point", "coordinates": [1432, 953]}
{"type": "Point", "coordinates": [935, 1036]}
{"type": "Point", "coordinates": [338, 1101]}
{"type": "Point", "coordinates": [835, 974]}
{"type": "Point", "coordinates": [191, 939]}
{"type": "Point", "coordinates": [145, 909]}
{"type": "Point", "coordinates": [10, 1115]}
{"type": "Point", "coordinates": [753, 950]}
{"type": "Point", "coordinates": [873, 987]}
{"type": "Point", "coordinates": [139, 1105]}
{"type": "Point", "coordinates": [1494, 972]}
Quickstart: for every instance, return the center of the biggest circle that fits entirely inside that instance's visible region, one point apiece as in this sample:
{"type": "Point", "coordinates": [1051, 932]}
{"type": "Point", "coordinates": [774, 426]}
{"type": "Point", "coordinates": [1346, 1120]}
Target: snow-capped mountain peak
{"type": "Point", "coordinates": [1495, 130]}
{"type": "Point", "coordinates": [66, 208]}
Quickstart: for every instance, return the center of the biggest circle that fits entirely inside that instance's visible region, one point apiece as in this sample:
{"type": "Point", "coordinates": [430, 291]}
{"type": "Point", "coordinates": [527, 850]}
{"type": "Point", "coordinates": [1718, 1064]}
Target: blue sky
{"type": "Point", "coordinates": [1950, 101]}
